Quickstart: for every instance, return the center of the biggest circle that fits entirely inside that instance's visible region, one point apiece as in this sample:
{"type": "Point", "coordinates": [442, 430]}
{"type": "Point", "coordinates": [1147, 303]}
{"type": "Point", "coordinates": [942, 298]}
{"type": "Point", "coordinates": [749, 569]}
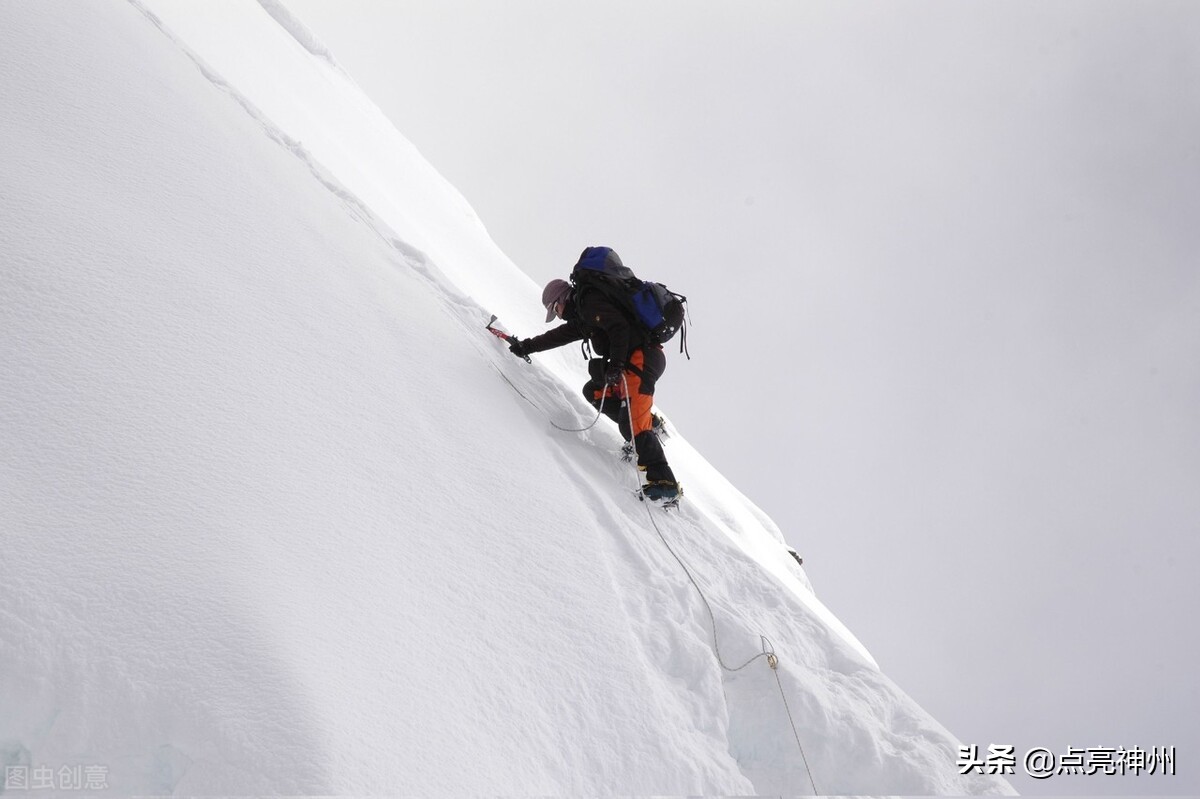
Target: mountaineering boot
{"type": "Point", "coordinates": [662, 490]}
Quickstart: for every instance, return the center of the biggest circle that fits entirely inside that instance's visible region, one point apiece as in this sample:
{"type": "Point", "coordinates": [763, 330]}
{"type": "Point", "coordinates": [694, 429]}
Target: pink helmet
{"type": "Point", "coordinates": [556, 291]}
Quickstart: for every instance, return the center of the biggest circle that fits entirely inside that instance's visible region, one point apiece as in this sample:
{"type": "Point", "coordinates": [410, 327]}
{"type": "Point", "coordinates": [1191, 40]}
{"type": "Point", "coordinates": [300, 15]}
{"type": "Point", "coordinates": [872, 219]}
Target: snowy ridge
{"type": "Point", "coordinates": [274, 522]}
{"type": "Point", "coordinates": [298, 30]}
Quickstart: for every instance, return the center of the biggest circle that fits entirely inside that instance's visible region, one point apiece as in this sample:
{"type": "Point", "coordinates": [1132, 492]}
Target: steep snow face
{"type": "Point", "coordinates": [316, 103]}
{"type": "Point", "coordinates": [275, 521]}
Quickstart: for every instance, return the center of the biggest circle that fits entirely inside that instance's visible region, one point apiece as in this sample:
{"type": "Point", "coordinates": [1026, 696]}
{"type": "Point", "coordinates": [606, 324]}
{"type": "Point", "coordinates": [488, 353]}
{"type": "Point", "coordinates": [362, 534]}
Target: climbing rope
{"type": "Point", "coordinates": [768, 649]}
{"type": "Point", "coordinates": [522, 395]}
{"type": "Point", "coordinates": [792, 721]}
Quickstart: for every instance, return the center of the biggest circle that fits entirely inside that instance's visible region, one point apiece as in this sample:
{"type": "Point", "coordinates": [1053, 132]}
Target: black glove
{"type": "Point", "coordinates": [614, 374]}
{"type": "Point", "coordinates": [518, 348]}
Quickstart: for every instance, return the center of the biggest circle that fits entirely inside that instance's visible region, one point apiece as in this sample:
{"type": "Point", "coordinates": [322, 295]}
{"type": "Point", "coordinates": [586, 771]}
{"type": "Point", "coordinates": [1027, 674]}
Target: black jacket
{"type": "Point", "coordinates": [590, 315]}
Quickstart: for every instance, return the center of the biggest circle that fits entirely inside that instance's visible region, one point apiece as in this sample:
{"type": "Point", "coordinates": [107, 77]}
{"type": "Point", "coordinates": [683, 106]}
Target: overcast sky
{"type": "Point", "coordinates": [942, 267]}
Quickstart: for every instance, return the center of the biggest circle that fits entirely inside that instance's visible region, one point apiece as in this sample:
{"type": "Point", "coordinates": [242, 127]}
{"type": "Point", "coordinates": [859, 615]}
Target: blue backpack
{"type": "Point", "coordinates": [657, 312]}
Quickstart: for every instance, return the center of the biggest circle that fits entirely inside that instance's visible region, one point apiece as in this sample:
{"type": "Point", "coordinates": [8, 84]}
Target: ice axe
{"type": "Point", "coordinates": [500, 334]}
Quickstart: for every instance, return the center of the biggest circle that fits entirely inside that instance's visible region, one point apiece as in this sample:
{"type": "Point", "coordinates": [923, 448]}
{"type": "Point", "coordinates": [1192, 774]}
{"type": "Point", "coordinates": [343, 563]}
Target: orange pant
{"type": "Point", "coordinates": [639, 403]}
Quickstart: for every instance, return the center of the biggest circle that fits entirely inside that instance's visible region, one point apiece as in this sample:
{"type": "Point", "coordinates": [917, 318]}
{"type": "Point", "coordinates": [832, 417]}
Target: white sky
{"type": "Point", "coordinates": [941, 263]}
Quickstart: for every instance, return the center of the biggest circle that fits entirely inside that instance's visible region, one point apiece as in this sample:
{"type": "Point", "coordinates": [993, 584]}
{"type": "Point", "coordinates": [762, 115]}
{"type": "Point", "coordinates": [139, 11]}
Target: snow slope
{"type": "Point", "coordinates": [273, 519]}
